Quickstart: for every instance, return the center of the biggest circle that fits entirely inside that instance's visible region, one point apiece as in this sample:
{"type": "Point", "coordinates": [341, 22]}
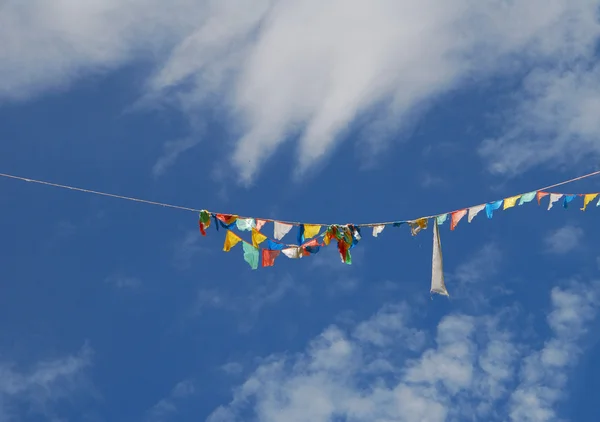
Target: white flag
{"type": "Point", "coordinates": [437, 267]}
{"type": "Point", "coordinates": [377, 230]}
{"type": "Point", "coordinates": [281, 229]}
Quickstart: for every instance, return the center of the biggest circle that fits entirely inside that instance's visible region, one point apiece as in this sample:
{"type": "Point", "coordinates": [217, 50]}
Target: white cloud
{"type": "Point", "coordinates": [166, 408]}
{"type": "Point", "coordinates": [555, 121]}
{"type": "Point", "coordinates": [467, 371]}
{"type": "Point", "coordinates": [563, 240]}
{"type": "Point", "coordinates": [172, 151]}
{"type": "Point", "coordinates": [42, 388]}
{"type": "Point", "coordinates": [286, 68]}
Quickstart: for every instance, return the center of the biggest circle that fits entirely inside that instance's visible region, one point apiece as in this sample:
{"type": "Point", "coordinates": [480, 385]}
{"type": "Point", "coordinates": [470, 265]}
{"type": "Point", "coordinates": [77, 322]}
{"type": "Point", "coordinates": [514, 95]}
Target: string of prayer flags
{"type": "Point", "coordinates": [262, 250]}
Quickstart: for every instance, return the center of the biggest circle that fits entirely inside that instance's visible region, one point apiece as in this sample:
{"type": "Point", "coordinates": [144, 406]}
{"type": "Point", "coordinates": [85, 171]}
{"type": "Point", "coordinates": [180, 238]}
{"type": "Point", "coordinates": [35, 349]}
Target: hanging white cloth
{"type": "Point", "coordinates": [437, 267]}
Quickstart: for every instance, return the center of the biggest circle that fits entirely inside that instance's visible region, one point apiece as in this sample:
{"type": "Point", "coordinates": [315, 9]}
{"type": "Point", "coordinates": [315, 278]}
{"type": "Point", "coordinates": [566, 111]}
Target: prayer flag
{"type": "Point", "coordinates": [311, 230]}
{"type": "Point", "coordinates": [587, 199]}
{"type": "Point", "coordinates": [441, 219]}
{"type": "Point", "coordinates": [281, 229]}
{"type": "Point", "coordinates": [231, 239]}
{"type": "Point", "coordinates": [541, 195]}
{"type": "Point", "coordinates": [245, 224]}
{"type": "Point", "coordinates": [268, 257]}
{"type": "Point", "coordinates": [528, 197]}
{"type": "Point", "coordinates": [473, 211]}
{"type": "Point", "coordinates": [553, 198]}
{"type": "Point", "coordinates": [437, 268]}
{"type": "Point", "coordinates": [511, 202]}
{"type": "Point", "coordinates": [251, 255]}
{"type": "Point", "coordinates": [456, 217]}
{"type": "Point", "coordinates": [260, 224]}
{"type": "Point", "coordinates": [491, 207]}
{"type": "Point", "coordinates": [377, 230]}
{"type": "Point", "coordinates": [568, 198]}
{"type": "Point", "coordinates": [417, 225]}
{"type": "Point", "coordinates": [257, 238]}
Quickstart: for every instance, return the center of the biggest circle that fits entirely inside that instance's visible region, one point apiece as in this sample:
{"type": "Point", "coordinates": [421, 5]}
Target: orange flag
{"type": "Point", "coordinates": [456, 217]}
{"type": "Point", "coordinates": [541, 195]}
{"type": "Point", "coordinates": [268, 257]}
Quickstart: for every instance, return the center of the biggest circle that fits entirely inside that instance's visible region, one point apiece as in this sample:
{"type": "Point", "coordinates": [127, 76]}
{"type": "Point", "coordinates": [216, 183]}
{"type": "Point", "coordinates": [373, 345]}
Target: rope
{"type": "Point", "coordinates": [179, 207]}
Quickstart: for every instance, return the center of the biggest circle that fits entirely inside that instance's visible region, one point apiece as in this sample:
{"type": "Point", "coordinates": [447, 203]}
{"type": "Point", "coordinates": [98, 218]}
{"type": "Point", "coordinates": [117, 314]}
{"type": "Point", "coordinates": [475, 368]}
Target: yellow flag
{"type": "Point", "coordinates": [511, 202]}
{"type": "Point", "coordinates": [231, 239]}
{"type": "Point", "coordinates": [257, 238]}
{"type": "Point", "coordinates": [311, 230]}
{"type": "Point", "coordinates": [587, 199]}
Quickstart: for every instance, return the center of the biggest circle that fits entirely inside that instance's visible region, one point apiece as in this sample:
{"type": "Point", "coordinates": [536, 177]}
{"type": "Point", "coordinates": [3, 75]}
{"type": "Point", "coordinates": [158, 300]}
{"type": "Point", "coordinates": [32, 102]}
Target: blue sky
{"type": "Point", "coordinates": [318, 111]}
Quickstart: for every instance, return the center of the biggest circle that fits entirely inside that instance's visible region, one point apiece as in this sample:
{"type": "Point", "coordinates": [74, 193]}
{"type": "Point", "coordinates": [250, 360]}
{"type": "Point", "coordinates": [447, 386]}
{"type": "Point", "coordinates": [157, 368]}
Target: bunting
{"type": "Point", "coordinates": [261, 248]}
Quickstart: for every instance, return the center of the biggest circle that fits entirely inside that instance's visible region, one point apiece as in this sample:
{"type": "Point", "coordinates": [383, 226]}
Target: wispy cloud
{"type": "Point", "coordinates": [279, 70]}
{"type": "Point", "coordinates": [121, 281]}
{"type": "Point", "coordinates": [166, 408]}
{"type": "Point", "coordinates": [45, 386]}
{"type": "Point", "coordinates": [172, 151]}
{"type": "Point", "coordinates": [563, 240]}
{"type": "Point", "coordinates": [467, 370]}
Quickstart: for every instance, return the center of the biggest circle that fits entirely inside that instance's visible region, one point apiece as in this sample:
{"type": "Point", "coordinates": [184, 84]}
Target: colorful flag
{"type": "Point", "coordinates": [527, 197]}
{"type": "Point", "coordinates": [437, 268]}
{"type": "Point", "coordinates": [568, 198]}
{"type": "Point", "coordinates": [251, 255]}
{"type": "Point", "coordinates": [491, 207]}
{"type": "Point", "coordinates": [511, 202]}
{"type": "Point", "coordinates": [377, 230]}
{"type": "Point", "coordinates": [587, 199]}
{"type": "Point", "coordinates": [275, 246]}
{"type": "Point", "coordinates": [268, 257]}
{"type": "Point", "coordinates": [473, 211]}
{"type": "Point", "coordinates": [260, 224]}
{"type": "Point", "coordinates": [311, 230]}
{"type": "Point", "coordinates": [417, 225]}
{"type": "Point", "coordinates": [456, 217]}
{"type": "Point", "coordinates": [441, 219]}
{"type": "Point", "coordinates": [554, 197]}
{"type": "Point", "coordinates": [257, 238]}
{"type": "Point", "coordinates": [204, 221]}
{"type": "Point", "coordinates": [541, 195]}
{"type": "Point", "coordinates": [294, 252]}
{"type": "Point", "coordinates": [281, 229]}
{"type": "Point", "coordinates": [231, 239]}
{"type": "Point", "coordinates": [245, 224]}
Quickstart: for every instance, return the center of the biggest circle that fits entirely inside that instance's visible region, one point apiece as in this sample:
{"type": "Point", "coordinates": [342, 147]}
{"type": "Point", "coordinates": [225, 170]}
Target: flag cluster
{"type": "Point", "coordinates": [262, 250]}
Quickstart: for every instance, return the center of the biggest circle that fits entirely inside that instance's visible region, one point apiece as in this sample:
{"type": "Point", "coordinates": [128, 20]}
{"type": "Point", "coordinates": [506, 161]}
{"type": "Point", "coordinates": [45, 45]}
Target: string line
{"type": "Point", "coordinates": [296, 223]}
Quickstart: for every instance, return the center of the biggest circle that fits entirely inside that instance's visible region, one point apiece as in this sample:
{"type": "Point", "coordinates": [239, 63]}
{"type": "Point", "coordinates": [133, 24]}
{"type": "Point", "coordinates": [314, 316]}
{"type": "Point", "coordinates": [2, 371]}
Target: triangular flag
{"type": "Point", "coordinates": [511, 202]}
{"type": "Point", "coordinates": [554, 197]}
{"type": "Point", "coordinates": [568, 198]}
{"type": "Point", "coordinates": [251, 255]}
{"type": "Point", "coordinates": [268, 257]}
{"type": "Point", "coordinates": [227, 220]}
{"type": "Point", "coordinates": [294, 252]}
{"type": "Point", "coordinates": [275, 246]}
{"type": "Point", "coordinates": [473, 211]}
{"type": "Point", "coordinates": [257, 238]}
{"type": "Point", "coordinates": [587, 199]}
{"type": "Point", "coordinates": [231, 239]}
{"type": "Point", "coordinates": [491, 207]}
{"type": "Point", "coordinates": [541, 195]}
{"type": "Point", "coordinates": [456, 217]}
{"type": "Point", "coordinates": [437, 268]}
{"type": "Point", "coordinates": [441, 219]}
{"type": "Point", "coordinates": [245, 224]}
{"type": "Point", "coordinates": [417, 225]}
{"type": "Point", "coordinates": [527, 197]}
{"type": "Point", "coordinates": [281, 229]}
{"type": "Point", "coordinates": [378, 229]}
{"type": "Point", "coordinates": [260, 224]}
{"type": "Point", "coordinates": [311, 230]}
